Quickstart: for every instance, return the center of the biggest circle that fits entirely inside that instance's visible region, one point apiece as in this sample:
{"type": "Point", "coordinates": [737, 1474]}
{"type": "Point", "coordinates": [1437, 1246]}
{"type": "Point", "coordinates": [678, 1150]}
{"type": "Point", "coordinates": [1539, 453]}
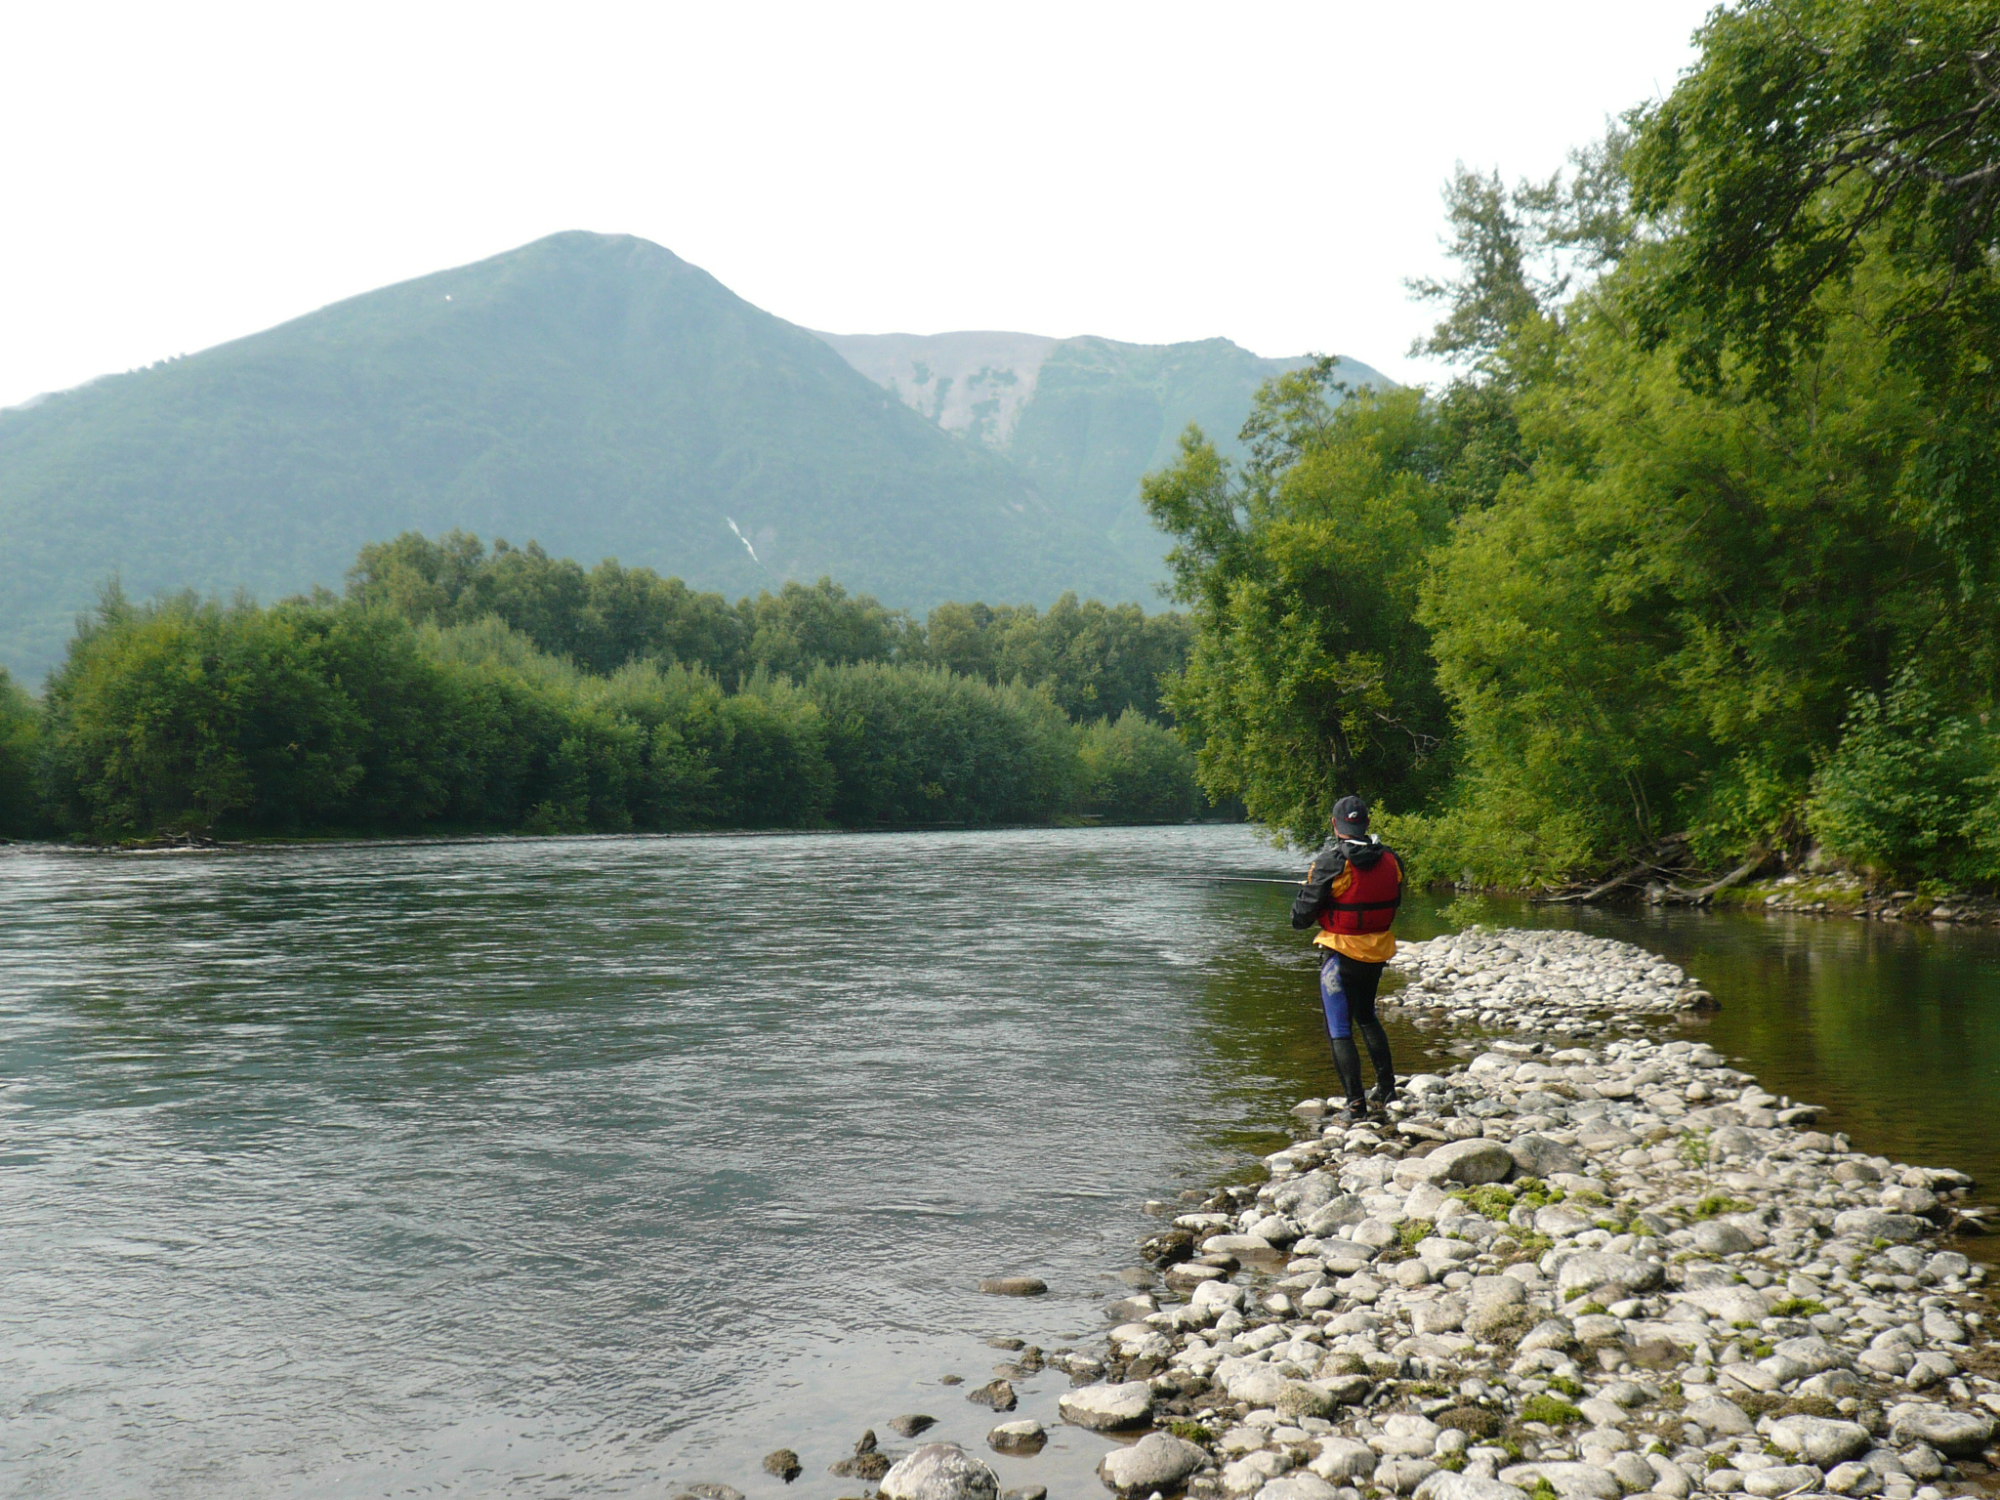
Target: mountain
{"type": "Point", "coordinates": [600, 395]}
{"type": "Point", "coordinates": [593, 392]}
{"type": "Point", "coordinates": [1083, 418]}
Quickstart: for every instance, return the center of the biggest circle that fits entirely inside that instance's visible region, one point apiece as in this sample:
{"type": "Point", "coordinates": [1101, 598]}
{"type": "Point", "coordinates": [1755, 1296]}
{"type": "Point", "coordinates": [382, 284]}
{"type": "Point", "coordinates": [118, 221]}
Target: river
{"type": "Point", "coordinates": [601, 1166]}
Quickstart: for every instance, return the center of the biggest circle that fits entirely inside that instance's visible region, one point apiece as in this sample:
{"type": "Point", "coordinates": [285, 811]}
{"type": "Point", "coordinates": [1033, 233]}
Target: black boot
{"type": "Point", "coordinates": [1347, 1061]}
{"type": "Point", "coordinates": [1385, 1067]}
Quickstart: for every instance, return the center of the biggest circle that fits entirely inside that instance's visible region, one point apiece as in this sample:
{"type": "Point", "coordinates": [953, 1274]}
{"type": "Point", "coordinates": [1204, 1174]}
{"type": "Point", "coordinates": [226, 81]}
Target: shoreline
{"type": "Point", "coordinates": [1596, 1261]}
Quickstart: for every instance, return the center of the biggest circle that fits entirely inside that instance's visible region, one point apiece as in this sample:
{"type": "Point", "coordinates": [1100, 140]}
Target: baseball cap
{"type": "Point", "coordinates": [1350, 818]}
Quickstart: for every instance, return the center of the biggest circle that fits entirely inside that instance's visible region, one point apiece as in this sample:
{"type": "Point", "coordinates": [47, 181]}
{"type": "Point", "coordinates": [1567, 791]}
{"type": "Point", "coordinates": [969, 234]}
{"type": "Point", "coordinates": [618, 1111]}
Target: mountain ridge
{"type": "Point", "coordinates": [603, 396]}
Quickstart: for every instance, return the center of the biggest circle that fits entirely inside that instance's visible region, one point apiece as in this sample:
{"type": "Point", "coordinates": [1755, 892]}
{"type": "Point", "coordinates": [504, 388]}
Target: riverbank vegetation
{"type": "Point", "coordinates": [1695, 566]}
{"type": "Point", "coordinates": [455, 687]}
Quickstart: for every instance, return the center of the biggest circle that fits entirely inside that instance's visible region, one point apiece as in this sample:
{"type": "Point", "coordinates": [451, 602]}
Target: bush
{"type": "Point", "coordinates": [1135, 771]}
{"type": "Point", "coordinates": [183, 717]}
{"type": "Point", "coordinates": [915, 745]}
{"type": "Point", "coordinates": [1911, 788]}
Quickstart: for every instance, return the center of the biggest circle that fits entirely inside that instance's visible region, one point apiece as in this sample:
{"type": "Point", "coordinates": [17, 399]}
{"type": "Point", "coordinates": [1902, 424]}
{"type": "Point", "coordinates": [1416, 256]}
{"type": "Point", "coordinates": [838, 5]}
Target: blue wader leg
{"type": "Point", "coordinates": [1333, 999]}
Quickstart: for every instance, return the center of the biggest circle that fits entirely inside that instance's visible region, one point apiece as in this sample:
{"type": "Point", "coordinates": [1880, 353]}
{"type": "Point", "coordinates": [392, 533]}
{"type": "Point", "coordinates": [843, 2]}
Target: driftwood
{"type": "Point", "coordinates": [1671, 892]}
{"type": "Point", "coordinates": [1599, 892]}
{"type": "Point", "coordinates": [1649, 865]}
{"type": "Point", "coordinates": [1736, 876]}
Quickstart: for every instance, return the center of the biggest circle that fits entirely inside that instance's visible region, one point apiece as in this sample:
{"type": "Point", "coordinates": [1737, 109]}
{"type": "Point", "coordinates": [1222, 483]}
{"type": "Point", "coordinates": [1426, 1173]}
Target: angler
{"type": "Point", "coordinates": [1351, 893]}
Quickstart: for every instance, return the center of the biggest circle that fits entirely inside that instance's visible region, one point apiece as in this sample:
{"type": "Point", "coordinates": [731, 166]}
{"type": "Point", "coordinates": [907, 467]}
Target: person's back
{"type": "Point", "coordinates": [1351, 893]}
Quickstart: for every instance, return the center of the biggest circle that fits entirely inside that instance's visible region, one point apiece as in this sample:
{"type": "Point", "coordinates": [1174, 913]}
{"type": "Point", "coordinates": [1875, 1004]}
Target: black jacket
{"type": "Point", "coordinates": [1325, 869]}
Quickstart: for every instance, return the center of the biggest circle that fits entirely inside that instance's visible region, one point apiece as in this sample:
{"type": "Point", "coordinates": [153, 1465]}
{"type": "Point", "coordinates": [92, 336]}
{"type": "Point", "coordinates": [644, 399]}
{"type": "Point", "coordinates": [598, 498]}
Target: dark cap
{"type": "Point", "coordinates": [1350, 818]}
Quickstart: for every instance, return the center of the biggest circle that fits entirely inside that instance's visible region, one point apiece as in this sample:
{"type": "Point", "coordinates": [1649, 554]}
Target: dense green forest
{"type": "Point", "coordinates": [455, 687]}
{"type": "Point", "coordinates": [1693, 565]}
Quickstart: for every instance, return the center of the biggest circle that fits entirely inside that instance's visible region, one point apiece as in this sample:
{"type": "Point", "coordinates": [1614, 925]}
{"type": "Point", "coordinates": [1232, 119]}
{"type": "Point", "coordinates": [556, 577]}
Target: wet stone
{"type": "Point", "coordinates": [784, 1463]}
{"type": "Point", "coordinates": [1020, 1439]}
{"type": "Point", "coordinates": [997, 1394]}
{"type": "Point", "coordinates": [1013, 1286]}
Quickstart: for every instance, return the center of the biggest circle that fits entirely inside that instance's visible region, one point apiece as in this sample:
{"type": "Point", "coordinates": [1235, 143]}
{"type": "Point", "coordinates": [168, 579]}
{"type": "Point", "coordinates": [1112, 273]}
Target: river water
{"type": "Point", "coordinates": [603, 1166]}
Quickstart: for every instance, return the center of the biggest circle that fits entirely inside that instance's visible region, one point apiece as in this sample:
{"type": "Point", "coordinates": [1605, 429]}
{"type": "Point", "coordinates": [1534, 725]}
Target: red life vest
{"type": "Point", "coordinates": [1369, 904]}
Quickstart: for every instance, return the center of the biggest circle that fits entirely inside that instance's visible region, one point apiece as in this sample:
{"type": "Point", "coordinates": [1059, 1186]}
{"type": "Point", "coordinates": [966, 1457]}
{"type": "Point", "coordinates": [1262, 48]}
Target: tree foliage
{"type": "Point", "coordinates": [1821, 142]}
{"type": "Point", "coordinates": [1701, 538]}
{"type": "Point", "coordinates": [461, 688]}
{"type": "Point", "coordinates": [20, 742]}
{"type": "Point", "coordinates": [1310, 676]}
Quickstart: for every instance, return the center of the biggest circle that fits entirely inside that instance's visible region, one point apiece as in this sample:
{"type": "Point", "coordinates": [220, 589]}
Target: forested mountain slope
{"type": "Point", "coordinates": [1084, 418]}
{"type": "Point", "coordinates": [593, 392]}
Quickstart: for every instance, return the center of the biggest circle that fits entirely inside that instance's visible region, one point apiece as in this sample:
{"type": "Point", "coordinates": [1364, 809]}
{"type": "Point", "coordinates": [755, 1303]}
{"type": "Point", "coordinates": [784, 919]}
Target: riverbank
{"type": "Point", "coordinates": [1848, 895]}
{"type": "Point", "coordinates": [1564, 1270]}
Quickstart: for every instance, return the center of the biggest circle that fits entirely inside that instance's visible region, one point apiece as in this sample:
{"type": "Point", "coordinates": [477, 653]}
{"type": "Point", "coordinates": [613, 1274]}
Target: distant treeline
{"type": "Point", "coordinates": [455, 687]}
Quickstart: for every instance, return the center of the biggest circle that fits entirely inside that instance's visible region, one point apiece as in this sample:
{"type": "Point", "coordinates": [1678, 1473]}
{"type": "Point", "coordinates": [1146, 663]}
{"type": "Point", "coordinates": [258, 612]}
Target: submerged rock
{"type": "Point", "coordinates": [998, 1394]}
{"type": "Point", "coordinates": [784, 1463]}
{"type": "Point", "coordinates": [1013, 1286]}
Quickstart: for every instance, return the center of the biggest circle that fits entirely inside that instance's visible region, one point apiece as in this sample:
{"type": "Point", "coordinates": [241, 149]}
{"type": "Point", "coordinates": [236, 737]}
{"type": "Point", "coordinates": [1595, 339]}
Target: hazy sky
{"type": "Point", "coordinates": [178, 175]}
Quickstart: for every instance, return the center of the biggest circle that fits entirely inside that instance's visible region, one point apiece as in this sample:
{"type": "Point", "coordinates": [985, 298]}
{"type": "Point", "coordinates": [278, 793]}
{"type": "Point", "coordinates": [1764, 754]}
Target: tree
{"type": "Point", "coordinates": [20, 746]}
{"type": "Point", "coordinates": [1821, 141]}
{"type": "Point", "coordinates": [1310, 676]}
{"type": "Point", "coordinates": [805, 626]}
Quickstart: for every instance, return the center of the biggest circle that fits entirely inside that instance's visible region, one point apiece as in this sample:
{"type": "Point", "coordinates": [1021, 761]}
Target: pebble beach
{"type": "Point", "coordinates": [1595, 1261]}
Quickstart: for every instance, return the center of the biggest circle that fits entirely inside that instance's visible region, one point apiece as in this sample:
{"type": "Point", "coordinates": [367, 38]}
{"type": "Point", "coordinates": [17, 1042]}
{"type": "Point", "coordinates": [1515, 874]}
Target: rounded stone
{"type": "Point", "coordinates": [1785, 1479]}
{"type": "Point", "coordinates": [1298, 1487]}
{"type": "Point", "coordinates": [1106, 1408]}
{"type": "Point", "coordinates": [1539, 1156]}
{"type": "Point", "coordinates": [1024, 1438]}
{"type": "Point", "coordinates": [1572, 1481]}
{"type": "Point", "coordinates": [1957, 1434]}
{"type": "Point", "coordinates": [940, 1471]}
{"type": "Point", "coordinates": [1013, 1286]}
{"type": "Point", "coordinates": [1445, 1485]}
{"type": "Point", "coordinates": [1158, 1461]}
{"type": "Point", "coordinates": [1820, 1440]}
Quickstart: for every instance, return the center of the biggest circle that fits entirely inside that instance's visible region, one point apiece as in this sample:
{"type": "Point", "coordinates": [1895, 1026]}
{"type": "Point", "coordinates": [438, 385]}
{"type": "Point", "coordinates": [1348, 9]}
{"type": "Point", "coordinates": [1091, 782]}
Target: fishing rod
{"type": "Point", "coordinates": [1243, 880]}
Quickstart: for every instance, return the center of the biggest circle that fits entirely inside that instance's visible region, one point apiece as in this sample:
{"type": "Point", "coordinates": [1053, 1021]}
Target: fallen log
{"type": "Point", "coordinates": [1736, 876]}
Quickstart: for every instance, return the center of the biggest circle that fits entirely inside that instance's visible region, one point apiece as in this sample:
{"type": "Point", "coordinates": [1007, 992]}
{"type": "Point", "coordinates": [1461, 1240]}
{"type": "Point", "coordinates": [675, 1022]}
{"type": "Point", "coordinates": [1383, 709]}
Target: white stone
{"type": "Point", "coordinates": [1105, 1408]}
{"type": "Point", "coordinates": [940, 1471]}
{"type": "Point", "coordinates": [1158, 1461]}
{"type": "Point", "coordinates": [1445, 1485]}
{"type": "Point", "coordinates": [1820, 1440]}
{"type": "Point", "coordinates": [1572, 1481]}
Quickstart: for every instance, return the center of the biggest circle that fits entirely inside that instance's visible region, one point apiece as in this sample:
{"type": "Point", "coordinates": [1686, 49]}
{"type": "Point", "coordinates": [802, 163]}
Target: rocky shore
{"type": "Point", "coordinates": [1562, 1272]}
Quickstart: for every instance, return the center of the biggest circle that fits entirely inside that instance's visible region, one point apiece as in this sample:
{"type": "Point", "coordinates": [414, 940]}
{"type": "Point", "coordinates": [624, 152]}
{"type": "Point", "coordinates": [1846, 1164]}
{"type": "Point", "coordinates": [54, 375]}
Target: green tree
{"type": "Point", "coordinates": [805, 626]}
{"type": "Point", "coordinates": [1820, 141]}
{"type": "Point", "coordinates": [192, 716]}
{"type": "Point", "coordinates": [1132, 770]}
{"type": "Point", "coordinates": [1310, 676]}
{"type": "Point", "coordinates": [914, 745]}
{"type": "Point", "coordinates": [20, 750]}
{"type": "Point", "coordinates": [1660, 629]}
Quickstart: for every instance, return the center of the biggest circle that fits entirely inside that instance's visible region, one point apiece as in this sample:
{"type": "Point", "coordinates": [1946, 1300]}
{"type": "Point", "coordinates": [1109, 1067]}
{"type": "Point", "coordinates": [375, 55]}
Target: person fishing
{"type": "Point", "coordinates": [1351, 892]}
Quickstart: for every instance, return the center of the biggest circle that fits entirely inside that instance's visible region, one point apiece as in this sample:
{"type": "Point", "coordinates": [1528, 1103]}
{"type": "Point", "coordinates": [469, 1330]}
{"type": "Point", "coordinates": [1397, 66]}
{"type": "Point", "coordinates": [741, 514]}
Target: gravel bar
{"type": "Point", "coordinates": [1561, 1272]}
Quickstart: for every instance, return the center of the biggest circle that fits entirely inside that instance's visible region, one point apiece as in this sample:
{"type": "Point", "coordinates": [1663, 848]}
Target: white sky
{"type": "Point", "coordinates": [181, 174]}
